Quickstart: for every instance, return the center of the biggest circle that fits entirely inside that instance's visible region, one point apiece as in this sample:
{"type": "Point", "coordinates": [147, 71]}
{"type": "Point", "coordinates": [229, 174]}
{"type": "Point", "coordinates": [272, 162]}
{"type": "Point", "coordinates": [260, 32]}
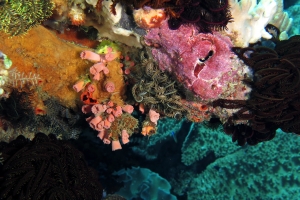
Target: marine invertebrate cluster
{"type": "Point", "coordinates": [45, 168]}
{"type": "Point", "coordinates": [17, 17]}
{"type": "Point", "coordinates": [155, 89]}
{"type": "Point", "coordinates": [111, 122]}
{"type": "Point", "coordinates": [274, 100]}
{"type": "Point", "coordinates": [105, 81]}
{"type": "Point", "coordinates": [102, 95]}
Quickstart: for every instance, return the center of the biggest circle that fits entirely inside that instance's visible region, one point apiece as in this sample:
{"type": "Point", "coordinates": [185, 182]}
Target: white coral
{"type": "Point", "coordinates": [250, 20]}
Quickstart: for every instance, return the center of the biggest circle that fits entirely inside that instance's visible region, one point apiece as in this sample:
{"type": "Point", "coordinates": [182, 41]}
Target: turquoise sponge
{"type": "Point", "coordinates": [143, 184]}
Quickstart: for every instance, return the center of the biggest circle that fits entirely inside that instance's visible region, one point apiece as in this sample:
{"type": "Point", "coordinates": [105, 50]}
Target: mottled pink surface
{"type": "Point", "coordinates": [201, 61]}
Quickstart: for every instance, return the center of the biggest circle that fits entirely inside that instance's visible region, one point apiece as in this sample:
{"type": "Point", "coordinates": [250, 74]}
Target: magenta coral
{"type": "Point", "coordinates": [201, 61]}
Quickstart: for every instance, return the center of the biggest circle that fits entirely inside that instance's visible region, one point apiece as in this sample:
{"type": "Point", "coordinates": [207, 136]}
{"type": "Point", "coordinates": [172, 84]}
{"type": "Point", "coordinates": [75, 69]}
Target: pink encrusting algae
{"type": "Point", "coordinates": [201, 61]}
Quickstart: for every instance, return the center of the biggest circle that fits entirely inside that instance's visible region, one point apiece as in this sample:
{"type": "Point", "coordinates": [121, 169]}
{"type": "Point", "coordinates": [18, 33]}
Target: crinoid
{"type": "Point", "coordinates": [208, 15]}
{"type": "Point", "coordinates": [18, 16]}
{"type": "Point", "coordinates": [45, 168]}
{"type": "Point", "coordinates": [155, 89]}
{"type": "Point", "coordinates": [274, 101]}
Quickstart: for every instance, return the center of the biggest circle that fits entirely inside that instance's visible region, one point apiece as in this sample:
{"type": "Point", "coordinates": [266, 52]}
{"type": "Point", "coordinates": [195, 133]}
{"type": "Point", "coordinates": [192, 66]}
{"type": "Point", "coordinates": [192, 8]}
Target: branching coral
{"type": "Point", "coordinates": [17, 17]}
{"type": "Point", "coordinates": [274, 101]}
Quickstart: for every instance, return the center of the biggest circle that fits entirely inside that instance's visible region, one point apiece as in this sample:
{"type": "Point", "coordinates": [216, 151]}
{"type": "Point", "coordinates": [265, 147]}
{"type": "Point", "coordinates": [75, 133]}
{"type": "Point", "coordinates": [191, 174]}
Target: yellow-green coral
{"type": "Point", "coordinates": [18, 16]}
{"type": "Point", "coordinates": [102, 47]}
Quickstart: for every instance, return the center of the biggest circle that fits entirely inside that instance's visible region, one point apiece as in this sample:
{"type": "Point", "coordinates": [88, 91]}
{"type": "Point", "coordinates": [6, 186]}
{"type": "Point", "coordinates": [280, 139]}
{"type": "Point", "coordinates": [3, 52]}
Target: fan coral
{"type": "Point", "coordinates": [204, 63]}
{"type": "Point", "coordinates": [15, 21]}
{"type": "Point", "coordinates": [46, 168]}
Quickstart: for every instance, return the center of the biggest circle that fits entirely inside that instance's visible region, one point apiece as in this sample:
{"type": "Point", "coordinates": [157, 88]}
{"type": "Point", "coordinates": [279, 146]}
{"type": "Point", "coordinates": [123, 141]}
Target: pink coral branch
{"type": "Point", "coordinates": [98, 109]}
{"type": "Point", "coordinates": [116, 145]}
{"type": "Point", "coordinates": [109, 86]}
{"type": "Point", "coordinates": [125, 136]}
{"type": "Point", "coordinates": [89, 55]}
{"type": "Point", "coordinates": [154, 116]}
{"type": "Point", "coordinates": [128, 108]}
{"type": "Point", "coordinates": [117, 112]}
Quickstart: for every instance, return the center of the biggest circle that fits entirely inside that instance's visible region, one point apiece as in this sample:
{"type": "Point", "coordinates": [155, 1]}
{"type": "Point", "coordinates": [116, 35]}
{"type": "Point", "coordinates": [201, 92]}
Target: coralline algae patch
{"type": "Point", "coordinates": [57, 63]}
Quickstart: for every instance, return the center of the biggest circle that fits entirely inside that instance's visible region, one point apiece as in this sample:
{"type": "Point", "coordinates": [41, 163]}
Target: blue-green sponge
{"type": "Point", "coordinates": [144, 184]}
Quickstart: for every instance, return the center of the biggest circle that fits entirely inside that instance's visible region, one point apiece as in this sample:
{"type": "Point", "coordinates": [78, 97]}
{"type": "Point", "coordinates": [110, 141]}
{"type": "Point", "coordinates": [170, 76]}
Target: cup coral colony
{"type": "Point", "coordinates": [193, 59]}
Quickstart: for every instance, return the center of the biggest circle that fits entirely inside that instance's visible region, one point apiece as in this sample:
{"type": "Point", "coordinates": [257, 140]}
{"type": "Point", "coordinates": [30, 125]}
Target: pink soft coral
{"type": "Point", "coordinates": [201, 61]}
